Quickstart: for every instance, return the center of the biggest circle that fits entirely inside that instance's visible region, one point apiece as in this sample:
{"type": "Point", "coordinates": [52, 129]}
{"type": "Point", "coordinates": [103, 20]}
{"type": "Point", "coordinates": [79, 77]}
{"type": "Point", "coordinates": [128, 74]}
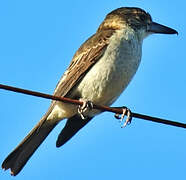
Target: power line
{"type": "Point", "coordinates": [118, 110]}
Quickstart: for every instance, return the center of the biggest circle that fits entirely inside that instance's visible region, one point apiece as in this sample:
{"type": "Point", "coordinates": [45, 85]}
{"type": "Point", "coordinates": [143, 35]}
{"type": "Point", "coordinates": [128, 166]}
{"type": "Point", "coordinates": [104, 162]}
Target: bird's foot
{"type": "Point", "coordinates": [82, 109]}
{"type": "Point", "coordinates": [126, 112]}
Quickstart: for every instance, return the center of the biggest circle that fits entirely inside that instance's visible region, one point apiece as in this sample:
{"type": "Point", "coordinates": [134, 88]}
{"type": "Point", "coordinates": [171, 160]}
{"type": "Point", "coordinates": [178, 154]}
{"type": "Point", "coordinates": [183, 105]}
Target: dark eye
{"type": "Point", "coordinates": [142, 17]}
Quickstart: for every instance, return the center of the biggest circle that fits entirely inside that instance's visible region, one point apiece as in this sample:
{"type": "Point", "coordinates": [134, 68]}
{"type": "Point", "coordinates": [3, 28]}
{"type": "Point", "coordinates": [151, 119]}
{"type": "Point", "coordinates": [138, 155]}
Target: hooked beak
{"type": "Point", "coordinates": [161, 29]}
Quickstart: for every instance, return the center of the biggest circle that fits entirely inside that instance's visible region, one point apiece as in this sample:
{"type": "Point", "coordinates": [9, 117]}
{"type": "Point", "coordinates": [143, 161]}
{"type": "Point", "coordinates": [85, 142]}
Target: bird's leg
{"type": "Point", "coordinates": [87, 106]}
{"type": "Point", "coordinates": [126, 112]}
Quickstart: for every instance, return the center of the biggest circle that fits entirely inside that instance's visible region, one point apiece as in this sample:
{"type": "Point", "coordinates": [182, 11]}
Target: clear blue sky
{"type": "Point", "coordinates": [37, 42]}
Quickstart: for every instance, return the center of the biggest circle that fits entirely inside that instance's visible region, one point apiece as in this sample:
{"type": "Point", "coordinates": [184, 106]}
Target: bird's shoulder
{"type": "Point", "coordinates": [97, 40]}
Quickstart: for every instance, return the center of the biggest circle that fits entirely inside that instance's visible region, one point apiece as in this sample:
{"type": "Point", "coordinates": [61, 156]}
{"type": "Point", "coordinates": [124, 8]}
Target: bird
{"type": "Point", "coordinates": [99, 72]}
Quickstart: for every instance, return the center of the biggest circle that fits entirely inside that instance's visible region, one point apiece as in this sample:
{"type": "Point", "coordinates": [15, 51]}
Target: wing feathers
{"type": "Point", "coordinates": [87, 55]}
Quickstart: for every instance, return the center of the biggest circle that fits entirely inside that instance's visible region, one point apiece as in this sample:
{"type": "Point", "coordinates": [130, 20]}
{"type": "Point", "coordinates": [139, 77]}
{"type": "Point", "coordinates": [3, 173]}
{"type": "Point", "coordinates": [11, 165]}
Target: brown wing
{"type": "Point", "coordinates": [86, 56]}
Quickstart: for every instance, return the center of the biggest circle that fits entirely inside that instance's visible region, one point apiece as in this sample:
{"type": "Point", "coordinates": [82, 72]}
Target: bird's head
{"type": "Point", "coordinates": [135, 19]}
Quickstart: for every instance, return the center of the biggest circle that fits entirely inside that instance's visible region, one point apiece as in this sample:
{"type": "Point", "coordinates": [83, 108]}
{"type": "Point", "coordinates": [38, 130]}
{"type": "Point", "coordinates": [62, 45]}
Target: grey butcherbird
{"type": "Point", "coordinates": [99, 72]}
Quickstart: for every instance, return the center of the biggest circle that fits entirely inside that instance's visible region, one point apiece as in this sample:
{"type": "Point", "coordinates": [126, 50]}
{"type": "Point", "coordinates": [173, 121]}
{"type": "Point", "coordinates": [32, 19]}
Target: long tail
{"type": "Point", "coordinates": [21, 154]}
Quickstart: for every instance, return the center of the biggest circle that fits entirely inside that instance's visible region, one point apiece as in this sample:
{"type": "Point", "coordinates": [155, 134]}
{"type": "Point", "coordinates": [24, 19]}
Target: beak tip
{"type": "Point", "coordinates": [174, 32]}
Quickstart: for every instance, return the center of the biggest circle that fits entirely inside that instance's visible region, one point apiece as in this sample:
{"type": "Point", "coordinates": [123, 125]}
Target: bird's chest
{"type": "Point", "coordinates": [111, 74]}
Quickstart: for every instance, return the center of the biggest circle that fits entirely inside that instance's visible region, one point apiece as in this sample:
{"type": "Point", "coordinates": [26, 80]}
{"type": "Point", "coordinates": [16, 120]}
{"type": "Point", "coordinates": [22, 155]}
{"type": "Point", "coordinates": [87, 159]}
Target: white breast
{"type": "Point", "coordinates": [107, 79]}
